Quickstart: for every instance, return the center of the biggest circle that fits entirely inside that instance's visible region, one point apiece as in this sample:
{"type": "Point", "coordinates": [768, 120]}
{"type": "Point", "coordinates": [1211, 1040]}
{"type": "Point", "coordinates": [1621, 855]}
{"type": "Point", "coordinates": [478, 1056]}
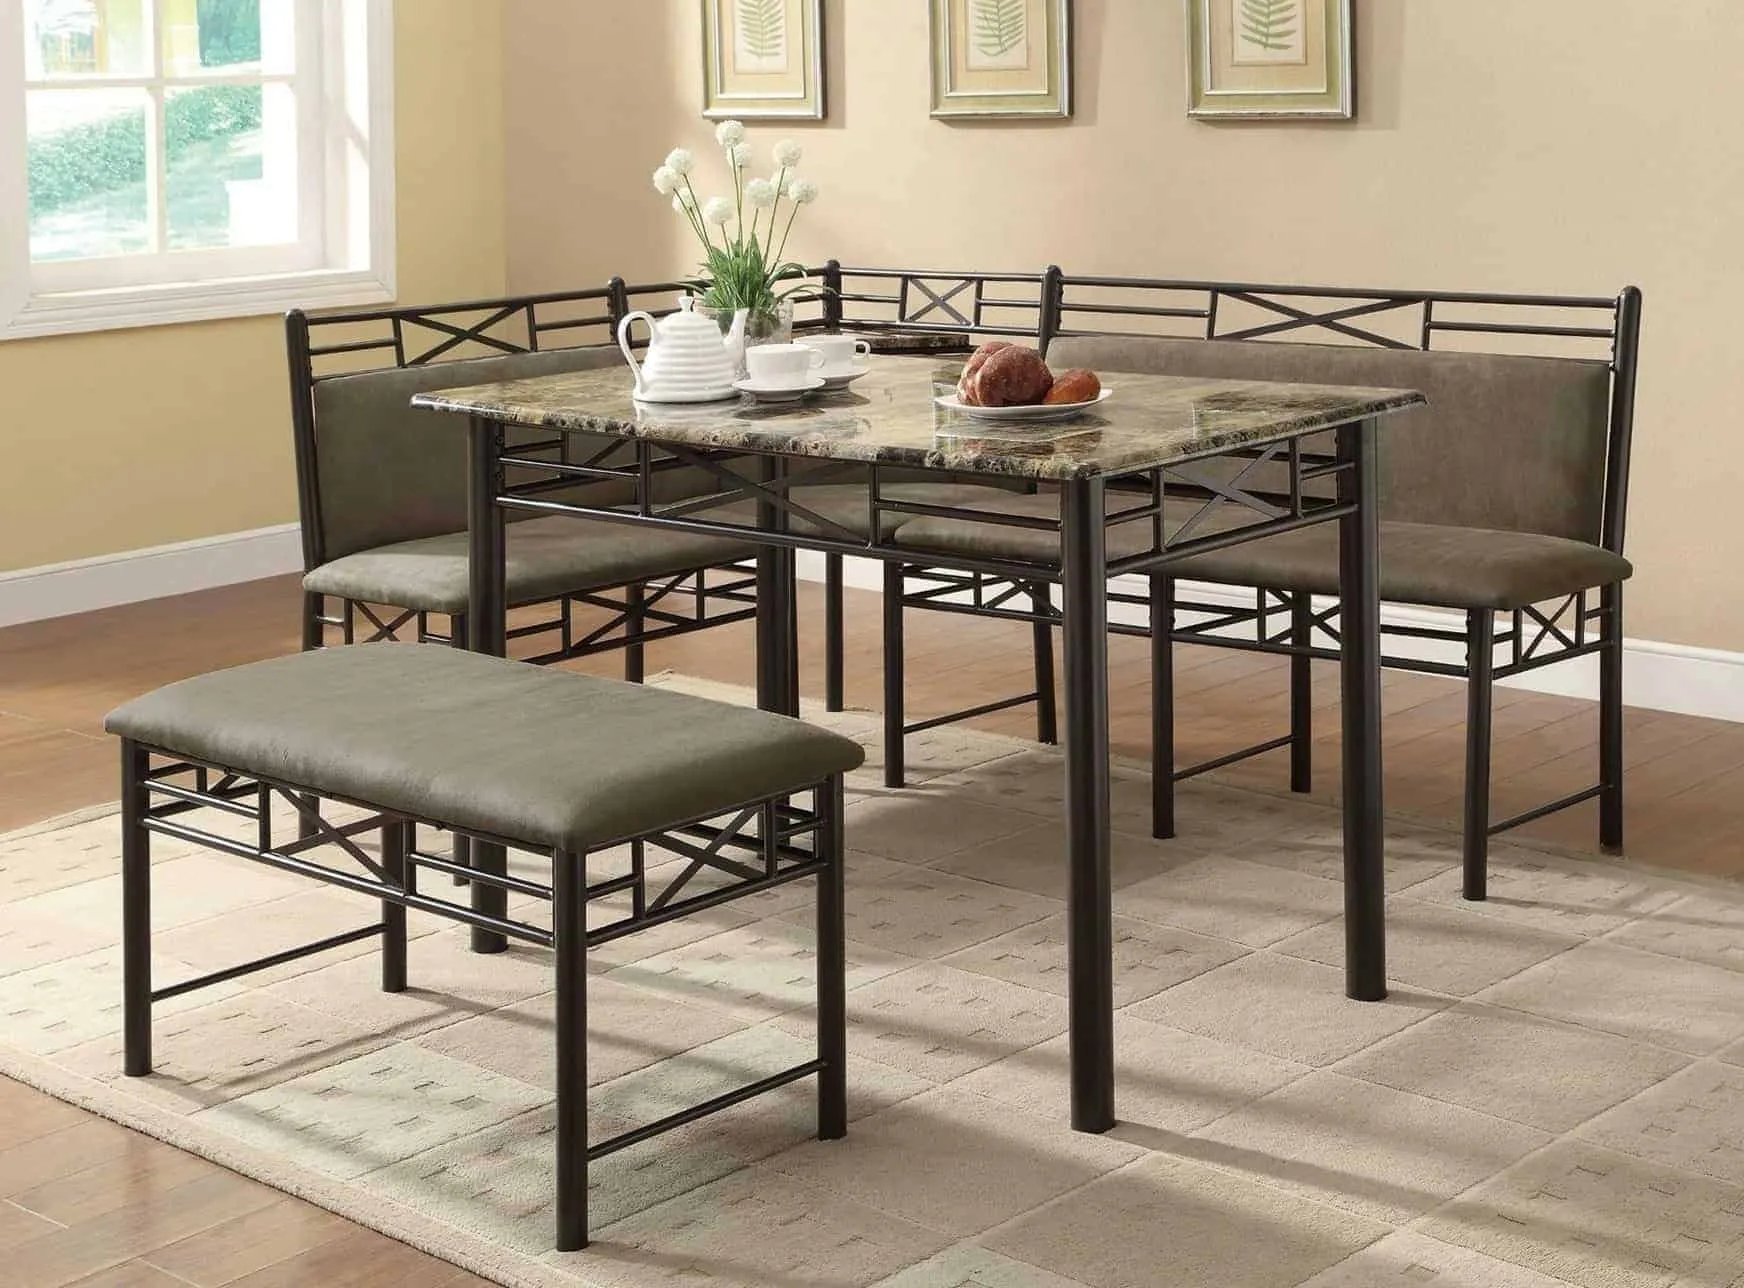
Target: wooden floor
{"type": "Point", "coordinates": [85, 1202]}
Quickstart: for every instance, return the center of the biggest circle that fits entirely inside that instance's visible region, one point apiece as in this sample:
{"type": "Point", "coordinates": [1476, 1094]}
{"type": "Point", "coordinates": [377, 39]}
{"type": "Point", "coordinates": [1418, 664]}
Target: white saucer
{"type": "Point", "coordinates": [780, 393]}
{"type": "Point", "coordinates": [833, 382]}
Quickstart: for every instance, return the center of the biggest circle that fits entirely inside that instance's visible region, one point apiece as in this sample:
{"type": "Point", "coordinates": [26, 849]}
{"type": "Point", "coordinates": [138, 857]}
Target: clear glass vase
{"type": "Point", "coordinates": [761, 327]}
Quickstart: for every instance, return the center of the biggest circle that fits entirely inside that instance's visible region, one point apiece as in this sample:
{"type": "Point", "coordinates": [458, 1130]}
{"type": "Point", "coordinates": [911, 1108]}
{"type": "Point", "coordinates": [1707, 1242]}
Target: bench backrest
{"type": "Point", "coordinates": [371, 469]}
{"type": "Point", "coordinates": [1528, 422]}
{"type": "Point", "coordinates": [1507, 442]}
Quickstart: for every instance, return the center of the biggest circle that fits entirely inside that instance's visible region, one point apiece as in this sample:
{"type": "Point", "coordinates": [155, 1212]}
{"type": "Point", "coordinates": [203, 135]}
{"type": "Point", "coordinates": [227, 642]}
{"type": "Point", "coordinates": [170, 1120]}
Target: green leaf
{"type": "Point", "coordinates": [999, 25]}
{"type": "Point", "coordinates": [1270, 24]}
{"type": "Point", "coordinates": [763, 27]}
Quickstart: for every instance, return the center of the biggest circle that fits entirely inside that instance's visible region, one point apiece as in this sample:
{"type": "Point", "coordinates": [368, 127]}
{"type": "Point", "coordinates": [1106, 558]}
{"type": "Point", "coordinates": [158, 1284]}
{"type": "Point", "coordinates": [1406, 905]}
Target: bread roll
{"type": "Point", "coordinates": [1012, 377]}
{"type": "Point", "coordinates": [1075, 386]}
{"type": "Point", "coordinates": [966, 391]}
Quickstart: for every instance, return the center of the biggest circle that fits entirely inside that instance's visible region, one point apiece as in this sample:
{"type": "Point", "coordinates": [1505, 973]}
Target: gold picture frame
{"type": "Point", "coordinates": [998, 59]}
{"type": "Point", "coordinates": [1270, 60]}
{"type": "Point", "coordinates": [763, 59]}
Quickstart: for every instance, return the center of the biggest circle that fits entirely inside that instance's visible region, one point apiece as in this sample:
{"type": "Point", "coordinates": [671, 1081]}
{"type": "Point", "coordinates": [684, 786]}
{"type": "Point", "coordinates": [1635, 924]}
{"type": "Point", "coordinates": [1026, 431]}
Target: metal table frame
{"type": "Point", "coordinates": [528, 478]}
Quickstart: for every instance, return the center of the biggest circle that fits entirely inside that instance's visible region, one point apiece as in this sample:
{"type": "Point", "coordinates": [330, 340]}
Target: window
{"type": "Point", "coordinates": [166, 160]}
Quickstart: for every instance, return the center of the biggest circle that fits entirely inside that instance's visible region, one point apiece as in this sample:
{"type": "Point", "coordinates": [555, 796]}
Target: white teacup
{"type": "Point", "coordinates": [841, 352]}
{"type": "Point", "coordinates": [781, 366]}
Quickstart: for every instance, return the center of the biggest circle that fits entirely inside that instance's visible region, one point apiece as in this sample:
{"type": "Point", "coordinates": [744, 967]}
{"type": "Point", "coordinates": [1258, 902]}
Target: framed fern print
{"type": "Point", "coordinates": [1269, 59]}
{"type": "Point", "coordinates": [763, 59]}
{"type": "Point", "coordinates": [1002, 58]}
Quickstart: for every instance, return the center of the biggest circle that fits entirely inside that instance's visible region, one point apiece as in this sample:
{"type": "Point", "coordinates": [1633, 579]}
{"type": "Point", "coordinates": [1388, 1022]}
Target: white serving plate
{"type": "Point", "coordinates": [1035, 415]}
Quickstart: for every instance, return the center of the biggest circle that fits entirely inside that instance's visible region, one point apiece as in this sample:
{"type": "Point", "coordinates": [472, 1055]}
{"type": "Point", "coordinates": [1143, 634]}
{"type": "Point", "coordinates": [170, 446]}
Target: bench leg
{"type": "Point", "coordinates": [893, 706]}
{"type": "Point", "coordinates": [135, 910]}
{"type": "Point", "coordinates": [1162, 594]}
{"type": "Point", "coordinates": [396, 840]}
{"type": "Point", "coordinates": [569, 924]}
{"type": "Point", "coordinates": [1301, 694]}
{"type": "Point", "coordinates": [834, 669]}
{"type": "Point", "coordinates": [1611, 720]}
{"type": "Point", "coordinates": [635, 608]}
{"type": "Point", "coordinates": [832, 967]}
{"type": "Point", "coordinates": [1042, 633]}
{"type": "Point", "coordinates": [462, 853]}
{"type": "Point", "coordinates": [1480, 663]}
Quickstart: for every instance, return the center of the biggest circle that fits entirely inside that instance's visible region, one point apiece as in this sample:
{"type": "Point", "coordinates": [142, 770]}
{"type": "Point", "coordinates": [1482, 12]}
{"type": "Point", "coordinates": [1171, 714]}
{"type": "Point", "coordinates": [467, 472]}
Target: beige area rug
{"type": "Point", "coordinates": [1553, 1094]}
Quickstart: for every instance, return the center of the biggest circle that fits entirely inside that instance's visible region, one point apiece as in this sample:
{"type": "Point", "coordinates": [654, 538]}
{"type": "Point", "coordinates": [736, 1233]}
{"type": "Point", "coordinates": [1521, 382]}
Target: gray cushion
{"type": "Point", "coordinates": [555, 554]}
{"type": "Point", "coordinates": [387, 471]}
{"type": "Point", "coordinates": [546, 557]}
{"type": "Point", "coordinates": [1035, 545]}
{"type": "Point", "coordinates": [1422, 563]}
{"type": "Point", "coordinates": [1505, 442]}
{"type": "Point", "coordinates": [531, 754]}
{"type": "Point", "coordinates": [845, 504]}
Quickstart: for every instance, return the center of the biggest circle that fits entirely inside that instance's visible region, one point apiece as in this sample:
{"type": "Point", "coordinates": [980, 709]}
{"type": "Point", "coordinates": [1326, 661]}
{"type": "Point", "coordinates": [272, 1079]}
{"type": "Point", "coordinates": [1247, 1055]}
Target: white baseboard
{"type": "Point", "coordinates": [82, 585]}
{"type": "Point", "coordinates": [1661, 677]}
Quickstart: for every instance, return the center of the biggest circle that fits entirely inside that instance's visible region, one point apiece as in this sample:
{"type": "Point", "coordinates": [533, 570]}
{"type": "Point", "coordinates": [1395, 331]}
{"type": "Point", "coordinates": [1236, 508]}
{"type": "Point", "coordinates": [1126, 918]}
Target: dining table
{"type": "Point", "coordinates": [1194, 464]}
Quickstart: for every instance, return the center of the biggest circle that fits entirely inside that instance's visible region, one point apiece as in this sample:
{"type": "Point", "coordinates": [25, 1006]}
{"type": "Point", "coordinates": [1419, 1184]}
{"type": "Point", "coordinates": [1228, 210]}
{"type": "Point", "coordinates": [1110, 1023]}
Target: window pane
{"type": "Point", "coordinates": [232, 158]}
{"type": "Point", "coordinates": [86, 38]}
{"type": "Point", "coordinates": [87, 173]}
{"type": "Point", "coordinates": [227, 36]}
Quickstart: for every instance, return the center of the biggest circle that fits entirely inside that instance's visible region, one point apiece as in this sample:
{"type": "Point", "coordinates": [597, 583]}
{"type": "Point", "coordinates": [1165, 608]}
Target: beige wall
{"type": "Point", "coordinates": [1554, 146]}
{"type": "Point", "coordinates": [124, 439]}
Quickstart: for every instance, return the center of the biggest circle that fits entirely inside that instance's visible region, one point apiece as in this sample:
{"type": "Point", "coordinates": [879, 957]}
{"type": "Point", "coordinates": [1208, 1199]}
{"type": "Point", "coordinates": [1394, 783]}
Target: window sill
{"type": "Point", "coordinates": [75, 312]}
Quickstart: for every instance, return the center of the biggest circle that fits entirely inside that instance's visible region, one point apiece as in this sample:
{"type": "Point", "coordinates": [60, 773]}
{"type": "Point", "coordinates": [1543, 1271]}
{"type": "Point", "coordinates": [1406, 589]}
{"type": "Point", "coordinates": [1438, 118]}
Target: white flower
{"type": "Point", "coordinates": [679, 161]}
{"type": "Point", "coordinates": [717, 210]}
{"type": "Point", "coordinates": [788, 153]}
{"type": "Point", "coordinates": [665, 180]}
{"type": "Point", "coordinates": [741, 155]}
{"type": "Point", "coordinates": [729, 134]}
{"type": "Point", "coordinates": [760, 193]}
{"type": "Point", "coordinates": [803, 192]}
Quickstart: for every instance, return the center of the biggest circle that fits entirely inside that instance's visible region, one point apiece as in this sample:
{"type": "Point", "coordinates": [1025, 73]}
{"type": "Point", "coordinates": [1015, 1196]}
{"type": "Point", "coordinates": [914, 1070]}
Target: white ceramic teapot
{"type": "Point", "coordinates": [688, 360]}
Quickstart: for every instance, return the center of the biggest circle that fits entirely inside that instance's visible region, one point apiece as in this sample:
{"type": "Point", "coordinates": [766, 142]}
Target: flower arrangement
{"type": "Point", "coordinates": [742, 257]}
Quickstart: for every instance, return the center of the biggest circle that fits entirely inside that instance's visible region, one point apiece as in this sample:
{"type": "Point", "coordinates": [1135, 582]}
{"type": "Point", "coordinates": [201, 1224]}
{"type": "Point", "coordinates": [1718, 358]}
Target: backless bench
{"type": "Point", "coordinates": [545, 761]}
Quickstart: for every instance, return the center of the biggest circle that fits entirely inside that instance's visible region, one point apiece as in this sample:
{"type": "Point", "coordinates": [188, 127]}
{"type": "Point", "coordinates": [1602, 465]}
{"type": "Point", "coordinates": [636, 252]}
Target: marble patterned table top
{"type": "Point", "coordinates": [888, 417]}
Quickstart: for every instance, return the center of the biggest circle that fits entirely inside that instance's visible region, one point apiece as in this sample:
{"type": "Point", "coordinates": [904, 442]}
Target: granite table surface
{"type": "Point", "coordinates": [888, 417]}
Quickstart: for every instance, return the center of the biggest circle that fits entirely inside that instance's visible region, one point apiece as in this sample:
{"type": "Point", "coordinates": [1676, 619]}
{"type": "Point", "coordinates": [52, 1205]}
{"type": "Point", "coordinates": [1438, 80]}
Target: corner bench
{"type": "Point", "coordinates": [546, 761]}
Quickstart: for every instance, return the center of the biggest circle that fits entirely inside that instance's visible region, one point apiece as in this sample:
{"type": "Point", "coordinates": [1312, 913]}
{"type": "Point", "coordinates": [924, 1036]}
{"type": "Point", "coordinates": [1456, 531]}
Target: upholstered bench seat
{"type": "Point", "coordinates": [1039, 545]}
{"type": "Point", "coordinates": [1421, 563]}
{"type": "Point", "coordinates": [545, 757]}
{"type": "Point", "coordinates": [545, 761]}
{"type": "Point", "coordinates": [546, 558]}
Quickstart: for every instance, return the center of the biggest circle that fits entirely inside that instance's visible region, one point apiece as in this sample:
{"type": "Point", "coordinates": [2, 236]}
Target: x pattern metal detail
{"type": "Point", "coordinates": [785, 839]}
{"type": "Point", "coordinates": [939, 301]}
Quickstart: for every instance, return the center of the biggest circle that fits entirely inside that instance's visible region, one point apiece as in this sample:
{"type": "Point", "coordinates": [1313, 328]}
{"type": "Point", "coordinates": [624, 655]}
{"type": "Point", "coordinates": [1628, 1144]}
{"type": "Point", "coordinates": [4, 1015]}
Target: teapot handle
{"type": "Point", "coordinates": [624, 342]}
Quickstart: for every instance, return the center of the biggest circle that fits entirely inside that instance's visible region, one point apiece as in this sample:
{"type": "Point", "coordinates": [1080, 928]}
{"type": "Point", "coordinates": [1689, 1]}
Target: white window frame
{"type": "Point", "coordinates": [346, 131]}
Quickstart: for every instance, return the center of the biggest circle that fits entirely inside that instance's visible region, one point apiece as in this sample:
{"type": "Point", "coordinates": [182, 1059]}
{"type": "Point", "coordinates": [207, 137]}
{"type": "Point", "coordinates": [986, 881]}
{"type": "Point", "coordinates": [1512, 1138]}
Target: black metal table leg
{"type": "Point", "coordinates": [1090, 940]}
{"type": "Point", "coordinates": [486, 632]}
{"type": "Point", "coordinates": [1365, 929]}
{"type": "Point", "coordinates": [834, 646]}
{"type": "Point", "coordinates": [1162, 596]}
{"type": "Point", "coordinates": [569, 924]}
{"type": "Point", "coordinates": [777, 650]}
